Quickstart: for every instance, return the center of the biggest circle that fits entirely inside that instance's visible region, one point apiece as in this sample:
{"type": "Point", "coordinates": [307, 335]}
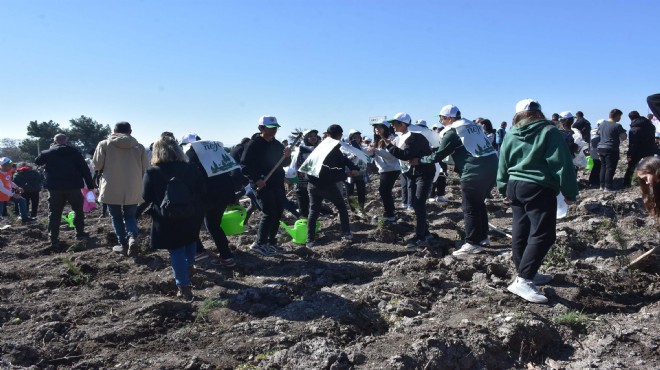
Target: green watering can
{"type": "Point", "coordinates": [233, 219]}
{"type": "Point", "coordinates": [590, 163]}
{"type": "Point", "coordinates": [299, 230]}
{"type": "Point", "coordinates": [69, 218]}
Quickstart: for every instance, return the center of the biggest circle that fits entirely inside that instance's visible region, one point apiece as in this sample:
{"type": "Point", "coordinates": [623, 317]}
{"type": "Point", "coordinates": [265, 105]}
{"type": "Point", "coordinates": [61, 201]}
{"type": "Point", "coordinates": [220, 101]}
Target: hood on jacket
{"type": "Point", "coordinates": [640, 122]}
{"type": "Point", "coordinates": [122, 141]}
{"type": "Point", "coordinates": [528, 131]}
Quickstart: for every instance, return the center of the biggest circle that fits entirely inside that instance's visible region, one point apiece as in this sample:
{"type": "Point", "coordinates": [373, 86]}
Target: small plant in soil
{"type": "Point", "coordinates": [559, 255]}
{"type": "Point", "coordinates": [573, 319]}
{"type": "Point", "coordinates": [77, 275]}
{"type": "Point", "coordinates": [208, 305]}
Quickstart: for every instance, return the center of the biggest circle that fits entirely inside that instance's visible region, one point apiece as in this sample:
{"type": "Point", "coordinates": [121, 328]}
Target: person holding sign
{"type": "Point", "coordinates": [325, 169]}
{"type": "Point", "coordinates": [419, 176]}
{"type": "Point", "coordinates": [262, 162]}
{"type": "Point", "coordinates": [475, 160]}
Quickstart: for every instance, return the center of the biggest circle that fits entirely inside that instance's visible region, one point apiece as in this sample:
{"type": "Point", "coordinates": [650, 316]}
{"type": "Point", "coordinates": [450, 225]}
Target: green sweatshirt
{"type": "Point", "coordinates": [537, 153]}
{"type": "Point", "coordinates": [468, 167]}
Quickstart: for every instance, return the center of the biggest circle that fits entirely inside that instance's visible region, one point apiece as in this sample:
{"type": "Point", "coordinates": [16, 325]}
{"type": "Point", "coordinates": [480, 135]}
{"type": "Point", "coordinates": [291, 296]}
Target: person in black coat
{"type": "Point", "coordinates": [177, 236]}
{"type": "Point", "coordinates": [641, 143]}
{"type": "Point", "coordinates": [65, 170]}
{"type": "Point", "coordinates": [408, 146]}
{"type": "Point", "coordinates": [326, 186]}
{"type": "Point", "coordinates": [261, 157]}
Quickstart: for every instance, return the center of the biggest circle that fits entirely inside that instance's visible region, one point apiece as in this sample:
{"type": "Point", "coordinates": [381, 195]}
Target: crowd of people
{"type": "Point", "coordinates": [185, 183]}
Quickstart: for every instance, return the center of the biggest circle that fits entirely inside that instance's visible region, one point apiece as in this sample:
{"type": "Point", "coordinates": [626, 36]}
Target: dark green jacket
{"type": "Point", "coordinates": [469, 168]}
{"type": "Point", "coordinates": [29, 179]}
{"type": "Point", "coordinates": [536, 152]}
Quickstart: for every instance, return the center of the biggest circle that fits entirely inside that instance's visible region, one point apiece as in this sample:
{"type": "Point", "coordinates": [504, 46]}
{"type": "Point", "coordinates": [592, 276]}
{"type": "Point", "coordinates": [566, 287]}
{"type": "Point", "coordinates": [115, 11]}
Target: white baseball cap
{"type": "Point", "coordinates": [384, 123]}
{"type": "Point", "coordinates": [421, 122]}
{"type": "Point", "coordinates": [527, 104]}
{"type": "Point", "coordinates": [449, 111]}
{"type": "Point", "coordinates": [353, 131]}
{"type": "Point", "coordinates": [4, 161]}
{"type": "Point", "coordinates": [566, 115]}
{"type": "Point", "coordinates": [188, 138]}
{"type": "Point", "coordinates": [268, 121]}
{"type": "Point", "coordinates": [401, 117]}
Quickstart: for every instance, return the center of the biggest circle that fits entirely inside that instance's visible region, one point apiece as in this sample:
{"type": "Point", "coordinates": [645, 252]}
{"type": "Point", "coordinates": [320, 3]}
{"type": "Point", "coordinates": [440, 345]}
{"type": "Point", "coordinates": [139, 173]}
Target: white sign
{"type": "Point", "coordinates": [213, 157]}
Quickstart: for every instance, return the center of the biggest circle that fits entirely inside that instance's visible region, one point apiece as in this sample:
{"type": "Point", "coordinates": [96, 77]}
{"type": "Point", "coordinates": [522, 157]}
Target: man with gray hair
{"type": "Point", "coordinates": [122, 162]}
{"type": "Point", "coordinates": [65, 170]}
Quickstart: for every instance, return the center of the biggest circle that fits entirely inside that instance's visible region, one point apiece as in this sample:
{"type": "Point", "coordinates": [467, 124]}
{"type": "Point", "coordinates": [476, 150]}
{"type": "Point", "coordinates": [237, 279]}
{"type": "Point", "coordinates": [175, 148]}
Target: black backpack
{"type": "Point", "coordinates": [178, 202]}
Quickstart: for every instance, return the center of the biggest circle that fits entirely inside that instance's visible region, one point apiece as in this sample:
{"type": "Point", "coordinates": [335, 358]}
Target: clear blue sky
{"type": "Point", "coordinates": [214, 67]}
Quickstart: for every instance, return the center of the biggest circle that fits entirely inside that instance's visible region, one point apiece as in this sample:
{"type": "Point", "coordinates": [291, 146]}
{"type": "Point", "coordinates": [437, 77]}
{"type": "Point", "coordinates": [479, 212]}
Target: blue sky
{"type": "Point", "coordinates": [214, 67]}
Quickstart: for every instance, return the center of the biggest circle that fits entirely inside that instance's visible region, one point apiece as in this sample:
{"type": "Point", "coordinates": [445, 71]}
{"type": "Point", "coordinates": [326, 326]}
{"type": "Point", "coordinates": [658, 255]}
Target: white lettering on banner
{"type": "Point", "coordinates": [378, 119]}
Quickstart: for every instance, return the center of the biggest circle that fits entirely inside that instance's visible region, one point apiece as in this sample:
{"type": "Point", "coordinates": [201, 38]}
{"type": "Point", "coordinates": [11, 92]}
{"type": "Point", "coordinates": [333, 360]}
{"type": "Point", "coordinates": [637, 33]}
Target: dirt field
{"type": "Point", "coordinates": [371, 304]}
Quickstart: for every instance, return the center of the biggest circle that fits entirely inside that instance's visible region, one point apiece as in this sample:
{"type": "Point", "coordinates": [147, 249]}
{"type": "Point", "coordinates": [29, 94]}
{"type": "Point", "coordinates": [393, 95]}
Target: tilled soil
{"type": "Point", "coordinates": [367, 304]}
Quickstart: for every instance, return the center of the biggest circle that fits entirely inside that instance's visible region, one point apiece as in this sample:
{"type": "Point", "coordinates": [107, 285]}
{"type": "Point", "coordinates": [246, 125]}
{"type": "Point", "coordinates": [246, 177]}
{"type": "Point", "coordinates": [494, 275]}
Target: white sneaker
{"type": "Point", "coordinates": [441, 199]}
{"type": "Point", "coordinates": [468, 248]}
{"type": "Point", "coordinates": [542, 279]}
{"type": "Point", "coordinates": [526, 290]}
{"type": "Point", "coordinates": [485, 243]}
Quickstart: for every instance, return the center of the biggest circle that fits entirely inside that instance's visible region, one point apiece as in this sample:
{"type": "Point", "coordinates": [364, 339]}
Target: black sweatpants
{"type": "Point", "coordinates": [534, 225]}
{"type": "Point", "coordinates": [608, 160]}
{"type": "Point", "coordinates": [359, 183]}
{"type": "Point", "coordinates": [440, 185]}
{"type": "Point", "coordinates": [419, 187]}
{"type": "Point", "coordinates": [302, 197]}
{"type": "Point", "coordinates": [594, 175]}
{"type": "Point", "coordinates": [330, 192]}
{"type": "Point", "coordinates": [57, 199]}
{"type": "Point", "coordinates": [387, 180]}
{"type": "Point", "coordinates": [475, 214]}
{"type": "Point", "coordinates": [271, 201]}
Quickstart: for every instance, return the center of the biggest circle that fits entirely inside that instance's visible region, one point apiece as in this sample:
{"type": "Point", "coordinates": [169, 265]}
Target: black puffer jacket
{"type": "Point", "coordinates": [642, 138]}
{"type": "Point", "coordinates": [65, 168]}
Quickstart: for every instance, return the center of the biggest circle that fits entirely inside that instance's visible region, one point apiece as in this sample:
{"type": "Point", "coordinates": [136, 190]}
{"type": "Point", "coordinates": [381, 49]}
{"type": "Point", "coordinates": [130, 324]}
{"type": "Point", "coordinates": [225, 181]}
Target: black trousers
{"type": "Point", "coordinates": [271, 201]}
{"type": "Point", "coordinates": [32, 199]}
{"type": "Point", "coordinates": [405, 191]}
{"type": "Point", "coordinates": [440, 185]}
{"type": "Point", "coordinates": [57, 199]}
{"type": "Point", "coordinates": [302, 196]}
{"type": "Point", "coordinates": [534, 225]}
{"type": "Point", "coordinates": [475, 214]}
{"type": "Point", "coordinates": [594, 175]}
{"type": "Point", "coordinates": [627, 178]}
{"type": "Point", "coordinates": [418, 188]}
{"type": "Point", "coordinates": [608, 160]}
{"type": "Point", "coordinates": [387, 180]}
{"type": "Point", "coordinates": [332, 193]}
{"type": "Point", "coordinates": [359, 183]}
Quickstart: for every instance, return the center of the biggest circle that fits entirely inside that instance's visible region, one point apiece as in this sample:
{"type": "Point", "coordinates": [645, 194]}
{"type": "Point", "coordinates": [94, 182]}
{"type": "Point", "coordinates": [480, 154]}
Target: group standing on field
{"type": "Point", "coordinates": [185, 184]}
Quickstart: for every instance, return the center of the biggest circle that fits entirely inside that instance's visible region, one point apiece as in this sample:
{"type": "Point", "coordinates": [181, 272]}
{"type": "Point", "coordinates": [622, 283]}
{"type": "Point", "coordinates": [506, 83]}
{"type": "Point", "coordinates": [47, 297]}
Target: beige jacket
{"type": "Point", "coordinates": [122, 160]}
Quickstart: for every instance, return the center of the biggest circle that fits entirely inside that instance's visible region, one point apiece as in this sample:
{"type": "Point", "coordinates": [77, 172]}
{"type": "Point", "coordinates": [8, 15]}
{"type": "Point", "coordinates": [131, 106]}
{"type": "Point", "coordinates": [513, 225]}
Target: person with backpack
{"type": "Point", "coordinates": [262, 162]}
{"type": "Point", "coordinates": [31, 181]}
{"type": "Point", "coordinates": [175, 189]}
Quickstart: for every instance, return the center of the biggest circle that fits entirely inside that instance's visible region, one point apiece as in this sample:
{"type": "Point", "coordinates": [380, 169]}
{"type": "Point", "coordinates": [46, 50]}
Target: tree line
{"type": "Point", "coordinates": [84, 133]}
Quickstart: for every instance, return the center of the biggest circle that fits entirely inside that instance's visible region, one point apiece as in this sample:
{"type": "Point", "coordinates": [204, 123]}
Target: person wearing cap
{"type": "Point", "coordinates": [10, 192]}
{"type": "Point", "coordinates": [123, 161]}
{"type": "Point", "coordinates": [388, 166]}
{"type": "Point", "coordinates": [262, 162]}
{"type": "Point", "coordinates": [475, 161]}
{"type": "Point", "coordinates": [66, 173]}
{"type": "Point", "coordinates": [419, 176]}
{"type": "Point", "coordinates": [359, 182]}
{"type": "Point", "coordinates": [326, 186]}
{"type": "Point", "coordinates": [594, 174]}
{"type": "Point", "coordinates": [641, 143]}
{"type": "Point", "coordinates": [582, 125]}
{"type": "Point", "coordinates": [565, 122]}
{"type": "Point", "coordinates": [310, 141]}
{"type": "Point", "coordinates": [611, 134]}
{"type": "Point", "coordinates": [535, 166]}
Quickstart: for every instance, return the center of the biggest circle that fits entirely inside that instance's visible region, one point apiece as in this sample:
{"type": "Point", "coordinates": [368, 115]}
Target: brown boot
{"type": "Point", "coordinates": [186, 293]}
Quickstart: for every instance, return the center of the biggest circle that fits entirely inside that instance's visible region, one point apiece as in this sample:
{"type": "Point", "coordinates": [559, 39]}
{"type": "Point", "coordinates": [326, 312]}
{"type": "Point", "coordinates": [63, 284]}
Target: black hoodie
{"type": "Point", "coordinates": [642, 139]}
{"type": "Point", "coordinates": [259, 158]}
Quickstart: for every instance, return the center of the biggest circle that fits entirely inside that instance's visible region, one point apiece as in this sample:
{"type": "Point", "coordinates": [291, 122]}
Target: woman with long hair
{"type": "Point", "coordinates": [178, 236]}
{"type": "Point", "coordinates": [648, 171]}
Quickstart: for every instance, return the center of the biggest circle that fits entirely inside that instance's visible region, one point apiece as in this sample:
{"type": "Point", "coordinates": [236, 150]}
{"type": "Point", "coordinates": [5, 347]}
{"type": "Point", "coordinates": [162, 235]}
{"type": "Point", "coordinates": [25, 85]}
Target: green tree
{"type": "Point", "coordinates": [42, 136]}
{"type": "Point", "coordinates": [10, 148]}
{"type": "Point", "coordinates": [85, 133]}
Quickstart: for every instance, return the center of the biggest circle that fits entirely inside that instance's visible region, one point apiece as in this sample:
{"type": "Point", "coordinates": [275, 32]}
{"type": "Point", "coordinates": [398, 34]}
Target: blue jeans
{"type": "Point", "coordinates": [124, 221]}
{"type": "Point", "coordinates": [181, 259]}
{"type": "Point", "coordinates": [22, 207]}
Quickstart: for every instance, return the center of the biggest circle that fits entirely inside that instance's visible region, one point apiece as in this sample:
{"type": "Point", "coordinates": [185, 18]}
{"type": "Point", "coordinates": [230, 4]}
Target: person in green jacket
{"type": "Point", "coordinates": [475, 160]}
{"type": "Point", "coordinates": [535, 166]}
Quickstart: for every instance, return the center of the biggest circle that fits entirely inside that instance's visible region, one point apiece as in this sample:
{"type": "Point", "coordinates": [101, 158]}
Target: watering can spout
{"type": "Point", "coordinates": [288, 229]}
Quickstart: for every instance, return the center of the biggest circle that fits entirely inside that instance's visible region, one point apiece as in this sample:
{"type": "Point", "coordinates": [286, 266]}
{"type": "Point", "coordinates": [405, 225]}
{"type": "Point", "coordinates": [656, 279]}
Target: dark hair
{"type": "Point", "coordinates": [458, 114]}
{"type": "Point", "coordinates": [615, 113]}
{"type": "Point", "coordinates": [555, 116]}
{"type": "Point", "coordinates": [633, 115]}
{"type": "Point", "coordinates": [245, 140]}
{"type": "Point", "coordinates": [579, 114]}
{"type": "Point", "coordinates": [123, 127]}
{"type": "Point", "coordinates": [650, 165]}
{"type": "Point", "coordinates": [334, 130]}
{"type": "Point", "coordinates": [488, 126]}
